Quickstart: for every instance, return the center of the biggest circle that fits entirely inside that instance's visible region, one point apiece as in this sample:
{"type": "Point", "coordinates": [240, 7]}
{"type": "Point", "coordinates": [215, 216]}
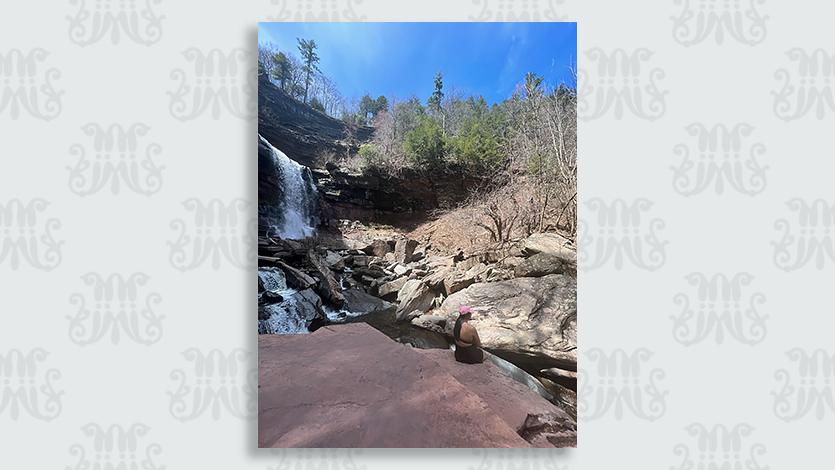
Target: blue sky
{"type": "Point", "coordinates": [400, 59]}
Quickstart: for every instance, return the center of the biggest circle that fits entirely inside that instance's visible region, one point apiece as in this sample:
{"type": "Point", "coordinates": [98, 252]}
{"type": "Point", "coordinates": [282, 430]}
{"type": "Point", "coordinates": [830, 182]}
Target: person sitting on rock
{"type": "Point", "coordinates": [467, 342]}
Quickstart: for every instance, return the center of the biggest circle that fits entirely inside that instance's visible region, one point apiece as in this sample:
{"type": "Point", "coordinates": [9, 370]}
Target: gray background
{"type": "Point", "coordinates": [127, 201]}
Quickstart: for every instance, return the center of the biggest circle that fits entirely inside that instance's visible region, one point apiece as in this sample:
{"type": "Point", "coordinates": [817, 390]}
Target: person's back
{"type": "Point", "coordinates": [467, 342]}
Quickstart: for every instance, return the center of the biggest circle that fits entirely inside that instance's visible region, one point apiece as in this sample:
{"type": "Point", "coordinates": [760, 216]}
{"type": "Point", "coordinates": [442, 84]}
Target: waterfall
{"type": "Point", "coordinates": [299, 197]}
{"type": "Point", "coordinates": [282, 310]}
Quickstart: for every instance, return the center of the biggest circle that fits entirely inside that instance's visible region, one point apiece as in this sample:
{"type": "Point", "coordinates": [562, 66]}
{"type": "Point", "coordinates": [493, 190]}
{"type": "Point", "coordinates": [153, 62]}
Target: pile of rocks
{"type": "Point", "coordinates": [524, 294]}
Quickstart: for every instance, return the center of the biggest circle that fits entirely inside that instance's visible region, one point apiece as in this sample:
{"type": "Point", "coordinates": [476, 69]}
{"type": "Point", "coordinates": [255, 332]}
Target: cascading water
{"type": "Point", "coordinates": [298, 214]}
{"type": "Point", "coordinates": [282, 310]}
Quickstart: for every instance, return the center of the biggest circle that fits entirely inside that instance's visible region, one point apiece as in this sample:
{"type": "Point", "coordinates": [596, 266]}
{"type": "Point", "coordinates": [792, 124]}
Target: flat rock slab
{"type": "Point", "coordinates": [351, 386]}
{"type": "Point", "coordinates": [510, 400]}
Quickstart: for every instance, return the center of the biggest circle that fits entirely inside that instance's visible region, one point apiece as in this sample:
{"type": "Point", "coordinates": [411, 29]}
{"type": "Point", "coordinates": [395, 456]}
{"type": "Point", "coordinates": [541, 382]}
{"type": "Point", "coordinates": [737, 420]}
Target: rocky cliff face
{"type": "Point", "coordinates": [301, 131]}
{"type": "Point", "coordinates": [375, 197]}
{"type": "Point", "coordinates": [307, 136]}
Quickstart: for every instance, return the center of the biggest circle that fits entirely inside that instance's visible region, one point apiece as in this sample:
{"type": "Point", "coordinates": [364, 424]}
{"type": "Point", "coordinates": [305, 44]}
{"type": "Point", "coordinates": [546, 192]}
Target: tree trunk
{"type": "Point", "coordinates": [306, 84]}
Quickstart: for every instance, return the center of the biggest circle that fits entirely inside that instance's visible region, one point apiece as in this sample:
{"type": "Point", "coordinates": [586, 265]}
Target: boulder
{"type": "Point", "coordinates": [360, 303]}
{"type": "Point", "coordinates": [558, 429]}
{"type": "Point", "coordinates": [377, 248]}
{"type": "Point", "coordinates": [436, 279]}
{"type": "Point", "coordinates": [564, 397]}
{"type": "Point", "coordinates": [373, 272]}
{"type": "Point", "coordinates": [327, 287]}
{"type": "Point", "coordinates": [511, 262]}
{"type": "Point", "coordinates": [549, 243]}
{"type": "Point", "coordinates": [434, 323]}
{"type": "Point", "coordinates": [334, 261]}
{"type": "Point", "coordinates": [294, 315]}
{"type": "Point", "coordinates": [468, 263]}
{"type": "Point", "coordinates": [401, 270]}
{"type": "Point", "coordinates": [541, 264]}
{"type": "Point", "coordinates": [360, 260]}
{"type": "Point", "coordinates": [555, 373]}
{"type": "Point", "coordinates": [390, 289]}
{"type": "Point", "coordinates": [350, 386]}
{"type": "Point", "coordinates": [461, 280]}
{"type": "Point", "coordinates": [295, 278]}
{"type": "Point", "coordinates": [529, 321]}
{"type": "Point", "coordinates": [404, 249]}
{"type": "Point", "coordinates": [458, 281]}
{"type": "Point", "coordinates": [271, 297]}
{"type": "Point", "coordinates": [415, 295]}
{"type": "Point", "coordinates": [271, 280]}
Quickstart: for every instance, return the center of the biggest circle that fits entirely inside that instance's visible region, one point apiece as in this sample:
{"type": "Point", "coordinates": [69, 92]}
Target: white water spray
{"type": "Point", "coordinates": [299, 192]}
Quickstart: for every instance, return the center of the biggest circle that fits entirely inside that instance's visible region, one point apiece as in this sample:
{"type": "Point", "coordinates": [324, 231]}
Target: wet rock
{"type": "Point", "coordinates": [271, 297]}
{"type": "Point", "coordinates": [328, 287]}
{"type": "Point", "coordinates": [296, 278]}
{"type": "Point", "coordinates": [360, 260]}
{"type": "Point", "coordinates": [563, 396]}
{"type": "Point", "coordinates": [334, 261]}
{"type": "Point", "coordinates": [555, 373]}
{"type": "Point", "coordinates": [271, 280]}
{"type": "Point", "coordinates": [360, 303]}
{"type": "Point", "coordinates": [294, 315]}
{"type": "Point", "coordinates": [373, 272]}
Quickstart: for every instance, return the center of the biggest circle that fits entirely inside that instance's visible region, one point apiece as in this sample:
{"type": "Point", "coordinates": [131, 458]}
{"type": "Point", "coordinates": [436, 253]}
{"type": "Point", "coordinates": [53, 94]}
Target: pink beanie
{"type": "Point", "coordinates": [464, 309]}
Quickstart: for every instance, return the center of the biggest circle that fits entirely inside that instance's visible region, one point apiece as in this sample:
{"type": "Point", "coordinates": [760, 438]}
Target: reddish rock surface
{"type": "Point", "coordinates": [509, 399]}
{"type": "Point", "coordinates": [352, 386]}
